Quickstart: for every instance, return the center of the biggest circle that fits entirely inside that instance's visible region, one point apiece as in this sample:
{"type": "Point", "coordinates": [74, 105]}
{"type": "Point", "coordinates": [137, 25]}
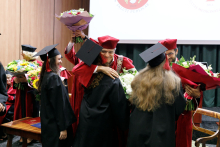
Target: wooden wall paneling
{"type": "Point", "coordinates": [85, 5]}
{"type": "Point", "coordinates": [10, 30]}
{"type": "Point", "coordinates": [61, 33]}
{"type": "Point", "coordinates": [37, 23]}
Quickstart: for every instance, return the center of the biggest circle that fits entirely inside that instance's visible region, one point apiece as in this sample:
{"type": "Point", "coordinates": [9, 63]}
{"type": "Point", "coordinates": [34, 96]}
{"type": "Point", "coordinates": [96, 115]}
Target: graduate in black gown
{"type": "Point", "coordinates": [56, 113]}
{"type": "Point", "coordinates": [3, 92]}
{"type": "Point", "coordinates": [104, 108]}
{"type": "Point", "coordinates": [158, 101]}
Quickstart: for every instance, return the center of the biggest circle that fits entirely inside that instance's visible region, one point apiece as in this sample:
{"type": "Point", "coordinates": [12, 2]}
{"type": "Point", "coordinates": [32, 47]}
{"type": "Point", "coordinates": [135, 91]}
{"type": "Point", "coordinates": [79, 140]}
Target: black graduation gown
{"type": "Point", "coordinates": [102, 109]}
{"type": "Point", "coordinates": [56, 112]}
{"type": "Point", "coordinates": [155, 129]}
{"type": "Point", "coordinates": [3, 92]}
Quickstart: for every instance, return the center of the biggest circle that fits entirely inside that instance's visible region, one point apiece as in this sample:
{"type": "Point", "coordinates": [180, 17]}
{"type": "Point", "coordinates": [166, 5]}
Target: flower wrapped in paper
{"type": "Point", "coordinates": [193, 73]}
{"type": "Point", "coordinates": [75, 20]}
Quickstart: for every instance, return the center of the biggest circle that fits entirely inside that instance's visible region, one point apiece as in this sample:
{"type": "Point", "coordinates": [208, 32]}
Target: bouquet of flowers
{"type": "Point", "coordinates": [33, 76]}
{"type": "Point", "coordinates": [194, 73]}
{"type": "Point", "coordinates": [18, 67]}
{"type": "Point", "coordinates": [75, 20]}
{"type": "Point", "coordinates": [126, 78]}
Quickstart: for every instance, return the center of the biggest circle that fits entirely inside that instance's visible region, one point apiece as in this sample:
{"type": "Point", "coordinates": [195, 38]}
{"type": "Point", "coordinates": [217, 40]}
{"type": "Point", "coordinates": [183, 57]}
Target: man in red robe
{"type": "Point", "coordinates": [115, 62]}
{"type": "Point", "coordinates": [184, 123]}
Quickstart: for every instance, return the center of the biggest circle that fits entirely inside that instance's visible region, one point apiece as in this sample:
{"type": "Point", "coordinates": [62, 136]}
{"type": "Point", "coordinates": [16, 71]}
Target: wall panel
{"type": "Point", "coordinates": [37, 22]}
{"type": "Point", "coordinates": [10, 30]}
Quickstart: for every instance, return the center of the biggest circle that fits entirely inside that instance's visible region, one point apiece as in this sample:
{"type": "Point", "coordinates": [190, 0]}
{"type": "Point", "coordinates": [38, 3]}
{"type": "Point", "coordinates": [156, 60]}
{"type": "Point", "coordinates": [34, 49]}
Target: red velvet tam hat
{"type": "Point", "coordinates": [108, 42]}
{"type": "Point", "coordinates": [169, 43]}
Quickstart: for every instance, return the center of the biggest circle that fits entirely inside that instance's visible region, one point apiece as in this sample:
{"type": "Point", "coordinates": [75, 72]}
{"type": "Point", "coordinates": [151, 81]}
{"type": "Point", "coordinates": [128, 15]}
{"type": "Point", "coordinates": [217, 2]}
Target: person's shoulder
{"type": "Point", "coordinates": [108, 80]}
{"type": "Point", "coordinates": [51, 76]}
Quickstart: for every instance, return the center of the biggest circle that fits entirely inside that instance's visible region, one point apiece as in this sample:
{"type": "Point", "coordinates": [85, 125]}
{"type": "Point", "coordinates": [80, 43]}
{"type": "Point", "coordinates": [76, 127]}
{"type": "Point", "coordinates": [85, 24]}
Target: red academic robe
{"type": "Point", "coordinates": [29, 100]}
{"type": "Point", "coordinates": [184, 126]}
{"type": "Point", "coordinates": [11, 92]}
{"type": "Point", "coordinates": [86, 73]}
{"type": "Point", "coordinates": [64, 73]}
{"type": "Point", "coordinates": [28, 103]}
{"type": "Point", "coordinates": [77, 89]}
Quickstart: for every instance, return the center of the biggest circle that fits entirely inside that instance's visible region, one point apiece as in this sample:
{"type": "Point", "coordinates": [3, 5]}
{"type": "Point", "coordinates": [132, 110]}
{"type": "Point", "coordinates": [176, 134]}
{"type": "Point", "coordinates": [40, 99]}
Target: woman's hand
{"type": "Point", "coordinates": [16, 80]}
{"type": "Point", "coordinates": [21, 79]}
{"type": "Point", "coordinates": [193, 92]}
{"type": "Point", "coordinates": [63, 135]}
{"type": "Point", "coordinates": [108, 71]}
{"type": "Point", "coordinates": [77, 33]}
{"type": "Point", "coordinates": [80, 34]}
{"type": "Point", "coordinates": [2, 107]}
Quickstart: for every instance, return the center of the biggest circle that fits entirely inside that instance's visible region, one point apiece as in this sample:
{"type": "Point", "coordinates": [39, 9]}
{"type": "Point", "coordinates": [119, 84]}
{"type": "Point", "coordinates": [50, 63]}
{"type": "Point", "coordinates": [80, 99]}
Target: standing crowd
{"type": "Point", "coordinates": [98, 113]}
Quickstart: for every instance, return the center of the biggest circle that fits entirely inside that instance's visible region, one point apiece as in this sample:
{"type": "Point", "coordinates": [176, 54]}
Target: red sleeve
{"type": "Point", "coordinates": [128, 63]}
{"type": "Point", "coordinates": [65, 74]}
{"type": "Point", "coordinates": [84, 73]}
{"type": "Point", "coordinates": [71, 56]}
{"type": "Point", "coordinates": [10, 98]}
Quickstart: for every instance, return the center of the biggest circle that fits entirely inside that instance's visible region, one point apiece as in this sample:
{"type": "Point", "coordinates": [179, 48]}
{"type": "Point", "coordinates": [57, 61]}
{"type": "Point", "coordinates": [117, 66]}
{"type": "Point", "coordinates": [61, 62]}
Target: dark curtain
{"type": "Point", "coordinates": [204, 53]}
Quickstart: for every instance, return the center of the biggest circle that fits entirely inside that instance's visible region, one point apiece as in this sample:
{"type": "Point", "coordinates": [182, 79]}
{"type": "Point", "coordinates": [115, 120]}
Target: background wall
{"type": "Point", "coordinates": [33, 22]}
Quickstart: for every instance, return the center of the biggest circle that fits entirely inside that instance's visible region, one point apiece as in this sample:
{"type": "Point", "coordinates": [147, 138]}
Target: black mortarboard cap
{"type": "Point", "coordinates": [89, 51]}
{"type": "Point", "coordinates": [28, 48]}
{"type": "Point", "coordinates": [51, 50]}
{"type": "Point", "coordinates": [154, 55]}
{"type": "Point", "coordinates": [7, 72]}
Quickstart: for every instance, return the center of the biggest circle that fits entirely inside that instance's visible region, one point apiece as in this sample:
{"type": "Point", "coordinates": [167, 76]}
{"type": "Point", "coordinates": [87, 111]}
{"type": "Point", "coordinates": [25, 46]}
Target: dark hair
{"type": "Point", "coordinates": [53, 67]}
{"type": "Point", "coordinates": [98, 60]}
{"type": "Point", "coordinates": [175, 49]}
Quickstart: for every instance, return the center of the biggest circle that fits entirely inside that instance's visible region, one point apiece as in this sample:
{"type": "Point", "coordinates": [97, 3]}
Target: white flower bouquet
{"type": "Point", "coordinates": [126, 78]}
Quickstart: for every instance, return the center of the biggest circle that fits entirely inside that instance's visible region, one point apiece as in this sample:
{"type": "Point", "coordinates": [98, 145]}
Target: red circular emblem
{"type": "Point", "coordinates": [132, 4]}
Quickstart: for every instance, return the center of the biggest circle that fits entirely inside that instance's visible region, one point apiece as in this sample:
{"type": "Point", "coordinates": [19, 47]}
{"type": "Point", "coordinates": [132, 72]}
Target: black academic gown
{"type": "Point", "coordinates": [155, 129]}
{"type": "Point", "coordinates": [56, 112]}
{"type": "Point", "coordinates": [3, 91]}
{"type": "Point", "coordinates": [102, 110]}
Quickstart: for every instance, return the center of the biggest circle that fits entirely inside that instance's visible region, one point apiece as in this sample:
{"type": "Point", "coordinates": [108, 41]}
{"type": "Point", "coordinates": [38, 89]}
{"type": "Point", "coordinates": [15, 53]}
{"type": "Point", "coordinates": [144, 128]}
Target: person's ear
{"type": "Point", "coordinates": [176, 51]}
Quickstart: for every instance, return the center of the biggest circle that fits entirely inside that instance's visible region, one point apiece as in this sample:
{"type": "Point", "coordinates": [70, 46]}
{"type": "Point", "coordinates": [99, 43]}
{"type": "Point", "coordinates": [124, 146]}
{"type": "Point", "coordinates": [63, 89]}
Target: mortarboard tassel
{"type": "Point", "coordinates": [166, 65]}
{"type": "Point", "coordinates": [47, 65]}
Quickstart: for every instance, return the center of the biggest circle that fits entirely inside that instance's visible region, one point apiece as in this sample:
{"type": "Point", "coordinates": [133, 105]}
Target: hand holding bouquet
{"type": "Point", "coordinates": [126, 78]}
{"type": "Point", "coordinates": [75, 20]}
{"type": "Point", "coordinates": [195, 74]}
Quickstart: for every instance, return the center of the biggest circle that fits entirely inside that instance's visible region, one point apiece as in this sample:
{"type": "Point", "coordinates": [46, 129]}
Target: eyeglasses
{"type": "Point", "coordinates": [110, 52]}
{"type": "Point", "coordinates": [170, 54]}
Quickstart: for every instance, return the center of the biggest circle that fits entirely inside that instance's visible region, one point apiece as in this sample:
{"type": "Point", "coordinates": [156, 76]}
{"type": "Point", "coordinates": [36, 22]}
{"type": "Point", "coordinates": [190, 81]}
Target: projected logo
{"type": "Point", "coordinates": [132, 4]}
{"type": "Point", "coordinates": [207, 5]}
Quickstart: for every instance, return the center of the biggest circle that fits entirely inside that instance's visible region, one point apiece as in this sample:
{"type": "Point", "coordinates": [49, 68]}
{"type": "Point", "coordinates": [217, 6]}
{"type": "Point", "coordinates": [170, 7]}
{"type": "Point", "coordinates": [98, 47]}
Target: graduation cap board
{"type": "Point", "coordinates": [88, 52]}
{"type": "Point", "coordinates": [51, 50]}
{"type": "Point", "coordinates": [28, 48]}
{"type": "Point", "coordinates": [154, 55]}
{"type": "Point", "coordinates": [8, 73]}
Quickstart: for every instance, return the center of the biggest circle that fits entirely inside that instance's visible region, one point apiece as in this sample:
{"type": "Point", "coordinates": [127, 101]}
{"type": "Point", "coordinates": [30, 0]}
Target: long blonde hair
{"type": "Point", "coordinates": [154, 86]}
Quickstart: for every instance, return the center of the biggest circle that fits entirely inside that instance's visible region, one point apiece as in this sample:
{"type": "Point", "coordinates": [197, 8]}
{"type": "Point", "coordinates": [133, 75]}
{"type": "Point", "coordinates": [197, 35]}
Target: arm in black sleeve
{"type": "Point", "coordinates": [3, 92]}
{"type": "Point", "coordinates": [56, 97]}
{"type": "Point", "coordinates": [180, 103]}
{"type": "Point", "coordinates": [119, 105]}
